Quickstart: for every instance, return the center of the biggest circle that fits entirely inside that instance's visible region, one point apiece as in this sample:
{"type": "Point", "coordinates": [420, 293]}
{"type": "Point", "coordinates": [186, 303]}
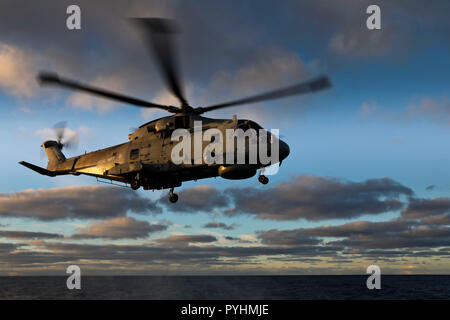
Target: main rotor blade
{"type": "Point", "coordinates": [158, 33]}
{"type": "Point", "coordinates": [49, 78]}
{"type": "Point", "coordinates": [317, 84]}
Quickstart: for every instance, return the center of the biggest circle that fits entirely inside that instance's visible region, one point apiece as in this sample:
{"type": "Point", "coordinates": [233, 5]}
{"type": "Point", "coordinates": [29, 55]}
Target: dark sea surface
{"type": "Point", "coordinates": [227, 287]}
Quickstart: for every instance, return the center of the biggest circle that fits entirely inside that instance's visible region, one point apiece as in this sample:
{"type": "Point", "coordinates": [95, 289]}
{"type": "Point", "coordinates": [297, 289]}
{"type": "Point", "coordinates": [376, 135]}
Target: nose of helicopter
{"type": "Point", "coordinates": [284, 150]}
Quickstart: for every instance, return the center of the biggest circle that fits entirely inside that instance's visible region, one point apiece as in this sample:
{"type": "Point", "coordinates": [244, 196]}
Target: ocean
{"type": "Point", "coordinates": [228, 287]}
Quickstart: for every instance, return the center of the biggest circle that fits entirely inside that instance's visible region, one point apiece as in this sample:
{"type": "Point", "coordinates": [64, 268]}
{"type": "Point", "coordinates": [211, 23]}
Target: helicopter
{"type": "Point", "coordinates": [145, 160]}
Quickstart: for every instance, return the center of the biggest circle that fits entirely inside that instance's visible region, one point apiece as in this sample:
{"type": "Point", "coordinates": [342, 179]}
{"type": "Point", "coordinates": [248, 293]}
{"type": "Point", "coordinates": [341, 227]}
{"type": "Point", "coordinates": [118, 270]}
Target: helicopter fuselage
{"type": "Point", "coordinates": [146, 159]}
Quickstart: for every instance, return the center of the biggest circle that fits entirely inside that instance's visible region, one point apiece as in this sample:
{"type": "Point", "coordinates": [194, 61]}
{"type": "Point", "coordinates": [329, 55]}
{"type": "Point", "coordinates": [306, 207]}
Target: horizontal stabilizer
{"type": "Point", "coordinates": [38, 169]}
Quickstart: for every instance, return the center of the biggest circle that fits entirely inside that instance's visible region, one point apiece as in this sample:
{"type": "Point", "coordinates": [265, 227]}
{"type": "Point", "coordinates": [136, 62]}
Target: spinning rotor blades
{"type": "Point", "coordinates": [158, 35]}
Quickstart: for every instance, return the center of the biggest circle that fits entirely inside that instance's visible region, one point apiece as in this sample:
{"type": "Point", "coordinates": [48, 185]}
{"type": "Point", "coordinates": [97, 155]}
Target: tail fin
{"type": "Point", "coordinates": [54, 154]}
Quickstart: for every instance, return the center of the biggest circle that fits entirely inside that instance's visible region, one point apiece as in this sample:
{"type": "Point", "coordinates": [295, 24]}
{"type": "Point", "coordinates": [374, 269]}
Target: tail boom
{"type": "Point", "coordinates": [43, 171]}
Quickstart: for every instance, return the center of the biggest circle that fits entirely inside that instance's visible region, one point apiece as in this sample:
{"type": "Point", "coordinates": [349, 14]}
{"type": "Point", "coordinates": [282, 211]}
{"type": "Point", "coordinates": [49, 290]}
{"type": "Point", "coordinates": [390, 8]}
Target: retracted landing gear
{"type": "Point", "coordinates": [263, 179]}
{"type": "Point", "coordinates": [173, 197]}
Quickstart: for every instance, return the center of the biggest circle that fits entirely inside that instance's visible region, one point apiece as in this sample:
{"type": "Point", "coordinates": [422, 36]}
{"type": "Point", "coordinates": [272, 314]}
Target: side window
{"type": "Point", "coordinates": [134, 154]}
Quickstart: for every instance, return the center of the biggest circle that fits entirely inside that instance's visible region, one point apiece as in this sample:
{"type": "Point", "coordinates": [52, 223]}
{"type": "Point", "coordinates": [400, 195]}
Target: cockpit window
{"type": "Point", "coordinates": [254, 125]}
{"type": "Point", "coordinates": [247, 124]}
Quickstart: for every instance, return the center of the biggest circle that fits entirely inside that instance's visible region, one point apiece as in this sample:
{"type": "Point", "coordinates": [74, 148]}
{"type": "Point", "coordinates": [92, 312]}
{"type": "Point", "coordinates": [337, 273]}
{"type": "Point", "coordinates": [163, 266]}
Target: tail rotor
{"type": "Point", "coordinates": [60, 131]}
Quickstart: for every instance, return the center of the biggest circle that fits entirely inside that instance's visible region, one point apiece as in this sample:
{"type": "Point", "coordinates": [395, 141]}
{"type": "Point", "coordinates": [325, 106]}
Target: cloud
{"type": "Point", "coordinates": [421, 208]}
{"type": "Point", "coordinates": [393, 234]}
{"type": "Point", "coordinates": [6, 248]}
{"type": "Point", "coordinates": [271, 69]}
{"type": "Point", "coordinates": [171, 249]}
{"type": "Point", "coordinates": [362, 42]}
{"type": "Point", "coordinates": [368, 108]}
{"type": "Point", "coordinates": [443, 219]}
{"type": "Point", "coordinates": [165, 97]}
{"type": "Point", "coordinates": [110, 54]}
{"type": "Point", "coordinates": [17, 74]}
{"type": "Point", "coordinates": [436, 110]}
{"type": "Point", "coordinates": [316, 198]}
{"type": "Point", "coordinates": [289, 238]}
{"type": "Point", "coordinates": [20, 235]}
{"type": "Point", "coordinates": [183, 240]}
{"type": "Point", "coordinates": [86, 202]}
{"type": "Point", "coordinates": [109, 81]}
{"type": "Point", "coordinates": [347, 230]}
{"type": "Point", "coordinates": [69, 134]}
{"type": "Point", "coordinates": [246, 60]}
{"type": "Point", "coordinates": [309, 197]}
{"type": "Point", "coordinates": [220, 225]}
{"type": "Point", "coordinates": [424, 237]}
{"type": "Point", "coordinates": [351, 243]}
{"type": "Point", "coordinates": [118, 228]}
{"type": "Point", "coordinates": [198, 198]}
{"type": "Point", "coordinates": [434, 212]}
{"type": "Point", "coordinates": [352, 39]}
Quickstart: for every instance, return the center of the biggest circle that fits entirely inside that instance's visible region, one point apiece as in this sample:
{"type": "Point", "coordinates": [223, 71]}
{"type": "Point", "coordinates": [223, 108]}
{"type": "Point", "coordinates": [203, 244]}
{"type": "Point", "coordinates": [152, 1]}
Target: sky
{"type": "Point", "coordinates": [366, 182]}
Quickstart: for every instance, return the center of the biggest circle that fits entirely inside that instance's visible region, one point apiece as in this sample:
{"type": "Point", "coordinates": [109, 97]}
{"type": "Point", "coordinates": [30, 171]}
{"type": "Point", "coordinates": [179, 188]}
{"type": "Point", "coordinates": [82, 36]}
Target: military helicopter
{"type": "Point", "coordinates": [145, 160]}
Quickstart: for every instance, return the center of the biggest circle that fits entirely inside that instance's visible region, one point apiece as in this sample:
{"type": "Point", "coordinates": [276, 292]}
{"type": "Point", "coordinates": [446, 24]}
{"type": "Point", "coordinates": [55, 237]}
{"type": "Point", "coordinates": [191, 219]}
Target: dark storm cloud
{"type": "Point", "coordinates": [119, 228]}
{"type": "Point", "coordinates": [219, 225]}
{"type": "Point", "coordinates": [88, 202]}
{"type": "Point", "coordinates": [18, 235]}
{"type": "Point", "coordinates": [316, 198]}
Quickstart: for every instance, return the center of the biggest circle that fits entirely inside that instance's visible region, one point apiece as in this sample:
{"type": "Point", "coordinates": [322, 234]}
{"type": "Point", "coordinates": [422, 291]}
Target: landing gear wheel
{"type": "Point", "coordinates": [263, 179]}
{"type": "Point", "coordinates": [173, 197]}
{"type": "Point", "coordinates": [135, 184]}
